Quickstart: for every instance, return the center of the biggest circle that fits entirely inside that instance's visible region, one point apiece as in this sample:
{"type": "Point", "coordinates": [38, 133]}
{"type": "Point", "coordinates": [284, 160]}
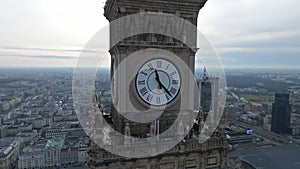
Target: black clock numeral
{"type": "Point", "coordinates": [167, 97]}
{"type": "Point", "coordinates": [143, 91]}
{"type": "Point", "coordinates": [150, 66]}
{"type": "Point", "coordinates": [150, 98]}
{"type": "Point", "coordinates": [173, 91]}
{"type": "Point", "coordinates": [167, 67]}
{"type": "Point", "coordinates": [173, 73]}
{"type": "Point", "coordinates": [158, 64]}
{"type": "Point", "coordinates": [142, 82]}
{"type": "Point", "coordinates": [158, 100]}
{"type": "Point", "coordinates": [144, 73]}
{"type": "Point", "coordinates": [175, 82]}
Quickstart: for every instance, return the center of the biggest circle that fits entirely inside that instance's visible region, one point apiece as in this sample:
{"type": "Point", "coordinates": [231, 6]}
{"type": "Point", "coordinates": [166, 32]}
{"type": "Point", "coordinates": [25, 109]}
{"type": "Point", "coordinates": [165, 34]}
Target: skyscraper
{"type": "Point", "coordinates": [281, 114]}
{"type": "Point", "coordinates": [209, 89]}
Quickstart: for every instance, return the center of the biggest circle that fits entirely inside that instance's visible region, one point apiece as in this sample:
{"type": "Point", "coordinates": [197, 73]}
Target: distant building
{"type": "Point", "coordinates": [32, 156]}
{"type": "Point", "coordinates": [27, 137]}
{"type": "Point", "coordinates": [205, 86]}
{"type": "Point", "coordinates": [265, 108]}
{"type": "Point", "coordinates": [53, 133]}
{"type": "Point", "coordinates": [3, 129]}
{"type": "Point", "coordinates": [83, 155]}
{"type": "Point", "coordinates": [6, 157]}
{"type": "Point", "coordinates": [209, 91]}
{"type": "Point", "coordinates": [9, 148]}
{"type": "Point", "coordinates": [53, 152]}
{"type": "Point", "coordinates": [38, 123]}
{"type": "Point", "coordinates": [267, 122]}
{"type": "Point", "coordinates": [16, 128]}
{"type": "Point", "coordinates": [69, 152]}
{"type": "Point", "coordinates": [281, 114]}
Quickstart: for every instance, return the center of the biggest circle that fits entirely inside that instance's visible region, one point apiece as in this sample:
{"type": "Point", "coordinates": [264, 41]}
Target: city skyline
{"type": "Point", "coordinates": [247, 34]}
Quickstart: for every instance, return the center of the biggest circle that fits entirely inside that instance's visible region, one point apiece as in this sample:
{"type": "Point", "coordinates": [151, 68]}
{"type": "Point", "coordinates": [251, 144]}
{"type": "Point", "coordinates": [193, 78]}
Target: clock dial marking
{"type": "Point", "coordinates": [158, 100]}
{"type": "Point", "coordinates": [167, 97]}
{"type": "Point", "coordinates": [150, 66]}
{"type": "Point", "coordinates": [173, 73]}
{"type": "Point", "coordinates": [142, 82]}
{"type": "Point", "coordinates": [173, 90]}
{"type": "Point", "coordinates": [144, 91]}
{"type": "Point", "coordinates": [158, 64]}
{"type": "Point", "coordinates": [167, 67]}
{"type": "Point", "coordinates": [175, 82]}
{"type": "Point", "coordinates": [144, 73]}
{"type": "Point", "coordinates": [150, 97]}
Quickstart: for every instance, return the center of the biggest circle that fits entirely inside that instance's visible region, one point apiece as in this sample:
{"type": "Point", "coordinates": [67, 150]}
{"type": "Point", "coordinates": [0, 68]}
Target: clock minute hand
{"type": "Point", "coordinates": [165, 89]}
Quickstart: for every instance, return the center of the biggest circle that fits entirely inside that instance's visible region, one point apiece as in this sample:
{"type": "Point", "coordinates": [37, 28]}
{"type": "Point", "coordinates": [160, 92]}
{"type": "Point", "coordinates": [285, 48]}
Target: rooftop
{"type": "Point", "coordinates": [284, 156]}
{"type": "Point", "coordinates": [56, 144]}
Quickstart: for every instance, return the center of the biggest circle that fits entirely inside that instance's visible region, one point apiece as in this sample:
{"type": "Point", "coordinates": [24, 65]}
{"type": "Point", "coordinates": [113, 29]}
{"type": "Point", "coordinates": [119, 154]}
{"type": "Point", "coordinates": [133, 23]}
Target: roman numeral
{"type": "Point", "coordinates": [175, 82]}
{"type": "Point", "coordinates": [158, 64]}
{"type": "Point", "coordinates": [173, 91]}
{"type": "Point", "coordinates": [167, 97]}
{"type": "Point", "coordinates": [150, 66]}
{"type": "Point", "coordinates": [144, 73]}
{"type": "Point", "coordinates": [150, 97]}
{"type": "Point", "coordinates": [142, 82]}
{"type": "Point", "coordinates": [173, 73]}
{"type": "Point", "coordinates": [158, 100]}
{"type": "Point", "coordinates": [167, 67]}
{"type": "Point", "coordinates": [143, 91]}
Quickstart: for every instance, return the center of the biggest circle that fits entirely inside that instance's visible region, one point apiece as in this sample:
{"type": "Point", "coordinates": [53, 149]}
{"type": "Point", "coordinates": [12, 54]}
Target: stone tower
{"type": "Point", "coordinates": [189, 153]}
{"type": "Point", "coordinates": [115, 9]}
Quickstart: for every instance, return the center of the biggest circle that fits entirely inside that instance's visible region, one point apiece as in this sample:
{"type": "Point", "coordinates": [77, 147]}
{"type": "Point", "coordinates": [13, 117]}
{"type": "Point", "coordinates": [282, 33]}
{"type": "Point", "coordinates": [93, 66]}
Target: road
{"type": "Point", "coordinates": [264, 133]}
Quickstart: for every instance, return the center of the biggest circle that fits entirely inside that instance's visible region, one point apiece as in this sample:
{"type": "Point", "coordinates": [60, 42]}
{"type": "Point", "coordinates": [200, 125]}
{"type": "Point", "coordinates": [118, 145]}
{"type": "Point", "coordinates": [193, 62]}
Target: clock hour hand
{"type": "Point", "coordinates": [160, 84]}
{"type": "Point", "coordinates": [157, 76]}
{"type": "Point", "coordinates": [157, 79]}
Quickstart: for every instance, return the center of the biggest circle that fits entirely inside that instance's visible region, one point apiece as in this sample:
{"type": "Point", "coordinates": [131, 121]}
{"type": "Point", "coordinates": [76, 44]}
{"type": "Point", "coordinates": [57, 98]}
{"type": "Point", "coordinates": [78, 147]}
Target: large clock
{"type": "Point", "coordinates": [158, 82]}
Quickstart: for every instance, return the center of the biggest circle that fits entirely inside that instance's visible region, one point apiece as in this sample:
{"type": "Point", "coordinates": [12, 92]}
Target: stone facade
{"type": "Point", "coordinates": [189, 153]}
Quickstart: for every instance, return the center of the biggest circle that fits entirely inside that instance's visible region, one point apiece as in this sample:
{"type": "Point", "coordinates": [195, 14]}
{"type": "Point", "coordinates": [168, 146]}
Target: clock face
{"type": "Point", "coordinates": [158, 82]}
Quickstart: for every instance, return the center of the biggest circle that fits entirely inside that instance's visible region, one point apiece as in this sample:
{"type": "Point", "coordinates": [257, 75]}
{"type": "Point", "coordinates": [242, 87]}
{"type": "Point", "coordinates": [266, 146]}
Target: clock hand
{"type": "Point", "coordinates": [157, 79]}
{"type": "Point", "coordinates": [166, 89]}
{"type": "Point", "coordinates": [156, 73]}
{"type": "Point", "coordinates": [162, 86]}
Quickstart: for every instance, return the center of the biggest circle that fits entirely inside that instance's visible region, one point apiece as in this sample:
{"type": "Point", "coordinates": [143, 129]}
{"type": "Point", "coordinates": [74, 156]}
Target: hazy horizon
{"type": "Point", "coordinates": [246, 34]}
{"type": "Point", "coordinates": [227, 70]}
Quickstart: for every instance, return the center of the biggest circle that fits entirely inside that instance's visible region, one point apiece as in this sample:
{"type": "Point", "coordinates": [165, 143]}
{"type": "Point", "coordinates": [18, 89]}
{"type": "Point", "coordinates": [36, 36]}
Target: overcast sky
{"type": "Point", "coordinates": [246, 33]}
